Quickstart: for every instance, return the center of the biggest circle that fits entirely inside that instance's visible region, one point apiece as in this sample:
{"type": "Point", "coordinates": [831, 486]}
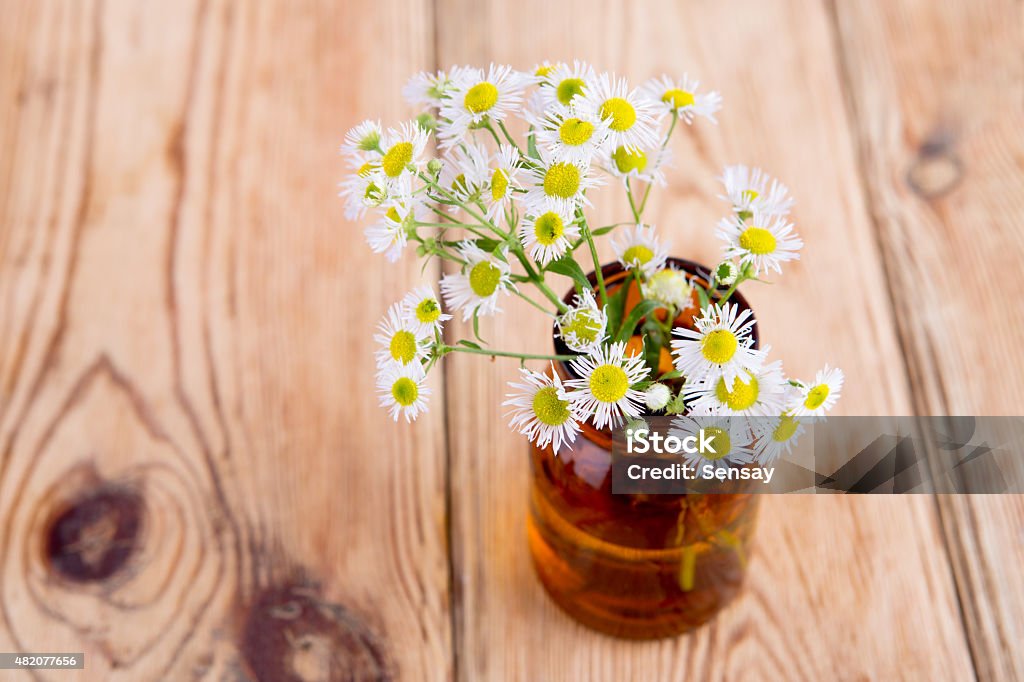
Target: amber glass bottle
{"type": "Point", "coordinates": [637, 566]}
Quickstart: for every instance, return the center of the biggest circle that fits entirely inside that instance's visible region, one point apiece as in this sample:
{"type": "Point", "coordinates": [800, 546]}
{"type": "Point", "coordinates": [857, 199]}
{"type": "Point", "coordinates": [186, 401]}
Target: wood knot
{"type": "Point", "coordinates": [936, 169]}
{"type": "Point", "coordinates": [291, 634]}
{"type": "Point", "coordinates": [94, 537]}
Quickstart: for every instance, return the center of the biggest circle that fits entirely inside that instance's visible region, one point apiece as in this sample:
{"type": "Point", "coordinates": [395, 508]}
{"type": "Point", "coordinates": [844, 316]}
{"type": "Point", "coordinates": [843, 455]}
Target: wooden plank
{"type": "Point", "coordinates": [842, 588]}
{"type": "Point", "coordinates": [938, 121]}
{"type": "Point", "coordinates": [195, 479]}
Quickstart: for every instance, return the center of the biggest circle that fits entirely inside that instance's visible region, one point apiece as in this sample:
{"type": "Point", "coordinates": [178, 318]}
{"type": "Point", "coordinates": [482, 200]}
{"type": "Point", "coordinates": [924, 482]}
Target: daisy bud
{"type": "Point", "coordinates": [426, 121]}
{"type": "Point", "coordinates": [637, 425]}
{"type": "Point", "coordinates": [434, 166]}
{"type": "Point", "coordinates": [726, 272]}
{"type": "Point", "coordinates": [657, 396]}
{"type": "Point", "coordinates": [676, 406]}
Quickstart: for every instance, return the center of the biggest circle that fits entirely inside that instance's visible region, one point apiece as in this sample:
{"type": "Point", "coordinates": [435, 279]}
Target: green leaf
{"type": "Point", "coordinates": [531, 144]}
{"type": "Point", "coordinates": [652, 353]}
{"type": "Point", "coordinates": [674, 374]}
{"type": "Point", "coordinates": [702, 296]}
{"type": "Point", "coordinates": [603, 230]}
{"type": "Point", "coordinates": [567, 265]}
{"type": "Point", "coordinates": [642, 309]}
{"type": "Point", "coordinates": [489, 245]}
{"type": "Point", "coordinates": [617, 302]}
{"type": "Point", "coordinates": [469, 344]}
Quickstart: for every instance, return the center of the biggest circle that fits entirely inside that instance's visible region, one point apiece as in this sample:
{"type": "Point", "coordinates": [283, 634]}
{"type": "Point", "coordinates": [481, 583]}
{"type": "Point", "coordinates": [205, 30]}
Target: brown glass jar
{"type": "Point", "coordinates": [636, 566]}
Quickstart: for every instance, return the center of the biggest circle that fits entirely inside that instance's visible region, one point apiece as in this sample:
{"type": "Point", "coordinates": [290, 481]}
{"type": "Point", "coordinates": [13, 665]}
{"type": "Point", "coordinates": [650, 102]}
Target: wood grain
{"type": "Point", "coordinates": [192, 482]}
{"type": "Point", "coordinates": [841, 588]}
{"type": "Point", "coordinates": [938, 125]}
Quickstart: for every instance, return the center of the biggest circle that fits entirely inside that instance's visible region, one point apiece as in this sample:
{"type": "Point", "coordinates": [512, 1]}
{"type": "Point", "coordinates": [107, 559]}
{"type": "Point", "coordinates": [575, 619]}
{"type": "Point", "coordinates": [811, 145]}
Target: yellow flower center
{"type": "Point", "coordinates": [719, 346]}
{"type": "Point", "coordinates": [757, 241]}
{"type": "Point", "coordinates": [484, 278]}
{"type": "Point", "coordinates": [677, 98]}
{"type": "Point", "coordinates": [499, 185]}
{"type": "Point", "coordinates": [459, 184]}
{"type": "Point", "coordinates": [544, 69]}
{"type": "Point", "coordinates": [392, 215]}
{"type": "Point", "coordinates": [569, 88]}
{"type": "Point", "coordinates": [575, 131]}
{"type": "Point", "coordinates": [365, 169]}
{"type": "Point", "coordinates": [549, 408]}
{"type": "Point", "coordinates": [621, 113]}
{"type": "Point", "coordinates": [609, 383]}
{"type": "Point", "coordinates": [405, 391]}
{"type": "Point", "coordinates": [785, 429]}
{"type": "Point", "coordinates": [749, 194]}
{"type": "Point", "coordinates": [397, 158]}
{"type": "Point", "coordinates": [562, 180]}
{"type": "Point", "coordinates": [584, 324]}
{"type": "Point", "coordinates": [481, 97]}
{"type": "Point", "coordinates": [548, 228]}
{"type": "Point", "coordinates": [816, 397]}
{"type": "Point", "coordinates": [403, 347]}
{"type": "Point", "coordinates": [717, 440]}
{"type": "Point", "coordinates": [427, 311]}
{"type": "Point", "coordinates": [742, 395]}
{"type": "Point", "coordinates": [627, 160]}
{"type": "Point", "coordinates": [638, 254]}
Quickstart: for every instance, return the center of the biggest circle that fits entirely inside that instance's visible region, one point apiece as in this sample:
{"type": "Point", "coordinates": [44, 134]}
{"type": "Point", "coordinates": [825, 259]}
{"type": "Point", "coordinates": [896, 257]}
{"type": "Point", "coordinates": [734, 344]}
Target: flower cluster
{"type": "Point", "coordinates": [508, 212]}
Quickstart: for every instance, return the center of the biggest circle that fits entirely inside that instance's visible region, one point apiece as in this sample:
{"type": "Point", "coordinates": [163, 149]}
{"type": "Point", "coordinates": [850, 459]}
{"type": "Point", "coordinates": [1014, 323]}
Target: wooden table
{"type": "Point", "coordinates": [195, 480]}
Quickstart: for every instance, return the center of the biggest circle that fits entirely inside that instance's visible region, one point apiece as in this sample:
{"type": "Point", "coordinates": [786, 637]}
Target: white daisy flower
{"type": "Point", "coordinates": [464, 171]}
{"type": "Point", "coordinates": [630, 116]}
{"type": "Point", "coordinates": [582, 327]}
{"type": "Point", "coordinates": [362, 140]}
{"type": "Point", "coordinates": [429, 89]}
{"type": "Point", "coordinates": [548, 236]}
{"type": "Point", "coordinates": [541, 71]}
{"type": "Point", "coordinates": [541, 411]}
{"type": "Point", "coordinates": [365, 188]}
{"type": "Point", "coordinates": [640, 248]}
{"type": "Point", "coordinates": [682, 98]}
{"type": "Point", "coordinates": [558, 186]}
{"type": "Point", "coordinates": [657, 396]}
{"type": "Point", "coordinates": [402, 391]}
{"type": "Point", "coordinates": [503, 178]}
{"type": "Point", "coordinates": [401, 148]}
{"type": "Point", "coordinates": [760, 393]}
{"type": "Point", "coordinates": [400, 339]}
{"type": "Point", "coordinates": [633, 163]}
{"type": "Point", "coordinates": [422, 309]}
{"type": "Point", "coordinates": [477, 96]}
{"type": "Point", "coordinates": [814, 400]}
{"type": "Point", "coordinates": [477, 287]}
{"type": "Point", "coordinates": [670, 287]}
{"type": "Point", "coordinates": [391, 233]}
{"type": "Point", "coordinates": [725, 273]}
{"type": "Point", "coordinates": [728, 441]}
{"type": "Point", "coordinates": [752, 189]}
{"type": "Point", "coordinates": [720, 346]}
{"type": "Point", "coordinates": [764, 241]}
{"type": "Point", "coordinates": [571, 134]}
{"type": "Point", "coordinates": [774, 438]}
{"type": "Point", "coordinates": [563, 83]}
{"type": "Point", "coordinates": [604, 390]}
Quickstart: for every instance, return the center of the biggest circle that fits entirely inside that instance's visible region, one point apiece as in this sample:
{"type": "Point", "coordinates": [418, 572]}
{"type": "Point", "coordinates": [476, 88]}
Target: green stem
{"type": "Point", "coordinates": [632, 204]}
{"type": "Point", "coordinates": [532, 302]}
{"type": "Point", "coordinates": [505, 354]}
{"type": "Point", "coordinates": [668, 136]}
{"type": "Point", "coordinates": [593, 255]}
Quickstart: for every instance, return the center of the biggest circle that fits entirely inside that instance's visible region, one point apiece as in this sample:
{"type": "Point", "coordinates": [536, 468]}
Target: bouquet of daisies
{"type": "Point", "coordinates": [511, 210]}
